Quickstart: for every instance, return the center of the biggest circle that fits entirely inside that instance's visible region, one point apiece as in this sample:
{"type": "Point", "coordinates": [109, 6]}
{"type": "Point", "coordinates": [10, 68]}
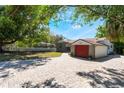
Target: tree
{"type": "Point", "coordinates": [101, 32]}
{"type": "Point", "coordinates": [18, 22]}
{"type": "Point", "coordinates": [112, 15]}
{"type": "Point", "coordinates": [115, 31]}
{"type": "Point", "coordinates": [31, 40]}
{"type": "Point", "coordinates": [56, 38]}
{"type": "Point", "coordinates": [114, 22]}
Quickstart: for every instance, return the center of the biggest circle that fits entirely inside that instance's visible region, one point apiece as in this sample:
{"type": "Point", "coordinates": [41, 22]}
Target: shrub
{"type": "Point", "coordinates": [119, 47]}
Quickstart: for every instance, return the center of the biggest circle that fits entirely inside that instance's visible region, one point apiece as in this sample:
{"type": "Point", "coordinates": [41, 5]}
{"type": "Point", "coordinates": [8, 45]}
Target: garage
{"type": "Point", "coordinates": [100, 51]}
{"type": "Point", "coordinates": [82, 50]}
{"type": "Point", "coordinates": [88, 48]}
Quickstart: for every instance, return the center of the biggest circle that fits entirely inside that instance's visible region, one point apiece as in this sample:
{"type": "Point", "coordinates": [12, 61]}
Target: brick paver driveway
{"type": "Point", "coordinates": [64, 71]}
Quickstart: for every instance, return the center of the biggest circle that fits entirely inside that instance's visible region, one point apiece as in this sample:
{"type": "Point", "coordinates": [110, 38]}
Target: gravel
{"type": "Point", "coordinates": [64, 71]}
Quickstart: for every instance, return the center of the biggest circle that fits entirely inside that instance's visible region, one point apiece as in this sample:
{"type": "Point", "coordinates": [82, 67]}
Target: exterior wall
{"type": "Point", "coordinates": [110, 45]}
{"type": "Point", "coordinates": [101, 51]}
{"type": "Point", "coordinates": [73, 50]}
{"type": "Point", "coordinates": [92, 51]}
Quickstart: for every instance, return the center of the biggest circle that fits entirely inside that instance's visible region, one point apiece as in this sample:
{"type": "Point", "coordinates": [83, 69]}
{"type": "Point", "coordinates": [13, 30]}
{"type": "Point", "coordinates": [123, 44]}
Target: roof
{"type": "Point", "coordinates": [91, 41]}
{"type": "Point", "coordinates": [65, 40]}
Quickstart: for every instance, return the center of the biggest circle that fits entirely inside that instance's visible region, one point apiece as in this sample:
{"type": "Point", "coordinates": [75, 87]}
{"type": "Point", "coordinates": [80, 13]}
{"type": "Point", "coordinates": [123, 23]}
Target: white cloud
{"type": "Point", "coordinates": [67, 20]}
{"type": "Point", "coordinates": [76, 26]}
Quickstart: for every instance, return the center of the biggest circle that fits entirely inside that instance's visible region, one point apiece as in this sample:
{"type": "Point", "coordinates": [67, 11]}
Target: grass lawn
{"type": "Point", "coordinates": [45, 54]}
{"type": "Point", "coordinates": [15, 56]}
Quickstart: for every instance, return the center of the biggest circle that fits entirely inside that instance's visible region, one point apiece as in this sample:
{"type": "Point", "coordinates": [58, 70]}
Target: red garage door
{"type": "Point", "coordinates": [82, 50]}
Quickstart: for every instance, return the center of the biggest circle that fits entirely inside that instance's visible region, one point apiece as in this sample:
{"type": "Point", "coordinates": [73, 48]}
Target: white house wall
{"type": "Point", "coordinates": [73, 50]}
{"type": "Point", "coordinates": [91, 50]}
{"type": "Point", "coordinates": [108, 43]}
{"type": "Point", "coordinates": [101, 51]}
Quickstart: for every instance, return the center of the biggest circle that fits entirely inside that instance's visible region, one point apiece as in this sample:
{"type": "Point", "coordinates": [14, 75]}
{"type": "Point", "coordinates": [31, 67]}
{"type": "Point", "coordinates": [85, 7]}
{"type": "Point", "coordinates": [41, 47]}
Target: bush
{"type": "Point", "coordinates": [119, 47]}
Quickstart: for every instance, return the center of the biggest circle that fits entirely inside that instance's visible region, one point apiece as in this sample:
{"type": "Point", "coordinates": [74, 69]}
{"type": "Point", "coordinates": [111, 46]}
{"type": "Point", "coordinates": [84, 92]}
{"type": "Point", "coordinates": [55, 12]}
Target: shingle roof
{"type": "Point", "coordinates": [92, 41]}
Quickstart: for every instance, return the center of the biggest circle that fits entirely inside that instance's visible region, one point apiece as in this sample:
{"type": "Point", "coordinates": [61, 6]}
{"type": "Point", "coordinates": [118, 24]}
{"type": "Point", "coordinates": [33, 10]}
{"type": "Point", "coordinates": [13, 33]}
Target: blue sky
{"type": "Point", "coordinates": [75, 30]}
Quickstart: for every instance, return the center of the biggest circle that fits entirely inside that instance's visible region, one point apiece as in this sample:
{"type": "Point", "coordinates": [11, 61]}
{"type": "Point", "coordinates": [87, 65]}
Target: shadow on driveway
{"type": "Point", "coordinates": [98, 78]}
{"type": "Point", "coordinates": [19, 65]}
{"type": "Point", "coordinates": [50, 83]}
{"type": "Point", "coordinates": [109, 57]}
{"type": "Point", "coordinates": [102, 59]}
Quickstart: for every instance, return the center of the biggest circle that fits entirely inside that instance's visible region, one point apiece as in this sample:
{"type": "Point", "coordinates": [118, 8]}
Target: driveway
{"type": "Point", "coordinates": [63, 72]}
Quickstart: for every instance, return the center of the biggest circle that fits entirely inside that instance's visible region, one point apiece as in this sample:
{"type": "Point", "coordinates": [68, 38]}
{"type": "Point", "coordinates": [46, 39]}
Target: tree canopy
{"type": "Point", "coordinates": [101, 32]}
{"type": "Point", "coordinates": [112, 15]}
{"type": "Point", "coordinates": [19, 22]}
{"type": "Point", "coordinates": [28, 25]}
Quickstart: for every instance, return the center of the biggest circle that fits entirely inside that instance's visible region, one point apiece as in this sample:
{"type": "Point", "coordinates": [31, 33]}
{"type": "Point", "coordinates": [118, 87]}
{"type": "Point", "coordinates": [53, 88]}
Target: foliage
{"type": "Point", "coordinates": [101, 32]}
{"type": "Point", "coordinates": [28, 25]}
{"type": "Point", "coordinates": [56, 38]}
{"type": "Point", "coordinates": [118, 47]}
{"type": "Point", "coordinates": [38, 37]}
{"type": "Point", "coordinates": [115, 31]}
{"type": "Point", "coordinates": [112, 15]}
{"type": "Point", "coordinates": [33, 39]}
{"type": "Point", "coordinates": [19, 22]}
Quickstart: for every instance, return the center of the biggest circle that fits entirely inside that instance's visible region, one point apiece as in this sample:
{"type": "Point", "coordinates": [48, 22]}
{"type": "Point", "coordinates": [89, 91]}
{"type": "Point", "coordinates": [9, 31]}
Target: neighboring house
{"type": "Point", "coordinates": [94, 48]}
{"type": "Point", "coordinates": [64, 45]}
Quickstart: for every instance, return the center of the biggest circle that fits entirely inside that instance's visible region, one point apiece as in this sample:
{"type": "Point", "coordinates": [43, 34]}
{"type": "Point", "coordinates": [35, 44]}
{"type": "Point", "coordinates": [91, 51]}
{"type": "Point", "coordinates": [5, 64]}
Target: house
{"type": "Point", "coordinates": [93, 48]}
{"type": "Point", "coordinates": [64, 45]}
